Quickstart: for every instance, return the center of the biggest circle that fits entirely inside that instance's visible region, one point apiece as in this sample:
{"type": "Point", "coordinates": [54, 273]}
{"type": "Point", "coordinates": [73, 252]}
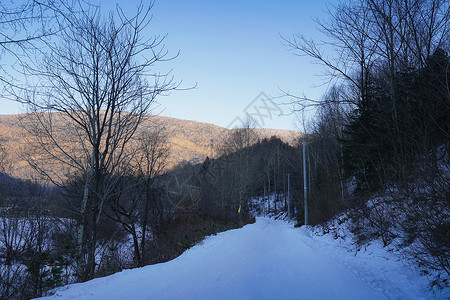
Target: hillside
{"type": "Point", "coordinates": [189, 140]}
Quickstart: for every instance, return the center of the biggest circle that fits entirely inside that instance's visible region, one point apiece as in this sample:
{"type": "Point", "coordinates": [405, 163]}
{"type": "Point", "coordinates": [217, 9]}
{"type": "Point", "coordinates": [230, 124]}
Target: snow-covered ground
{"type": "Point", "coordinates": [267, 260]}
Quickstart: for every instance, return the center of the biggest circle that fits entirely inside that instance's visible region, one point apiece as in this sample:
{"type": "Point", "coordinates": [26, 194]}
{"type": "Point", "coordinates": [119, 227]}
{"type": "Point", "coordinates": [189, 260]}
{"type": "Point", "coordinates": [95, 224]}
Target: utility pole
{"type": "Point", "coordinates": [264, 201]}
{"type": "Point", "coordinates": [289, 195]}
{"type": "Point", "coordinates": [305, 192]}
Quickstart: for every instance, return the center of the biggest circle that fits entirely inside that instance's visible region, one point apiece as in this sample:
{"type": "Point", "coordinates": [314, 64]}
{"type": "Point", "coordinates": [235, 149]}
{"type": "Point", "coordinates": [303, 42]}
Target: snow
{"type": "Point", "coordinates": [267, 260]}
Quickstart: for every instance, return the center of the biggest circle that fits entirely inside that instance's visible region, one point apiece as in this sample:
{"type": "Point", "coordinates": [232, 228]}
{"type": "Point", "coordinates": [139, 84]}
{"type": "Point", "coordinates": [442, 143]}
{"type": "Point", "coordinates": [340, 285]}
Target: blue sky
{"type": "Point", "coordinates": [233, 52]}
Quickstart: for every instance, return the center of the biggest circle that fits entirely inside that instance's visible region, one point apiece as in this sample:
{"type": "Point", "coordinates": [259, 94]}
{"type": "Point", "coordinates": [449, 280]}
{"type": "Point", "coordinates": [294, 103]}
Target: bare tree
{"type": "Point", "coordinates": [92, 91]}
{"type": "Point", "coordinates": [151, 162]}
{"type": "Point", "coordinates": [390, 35]}
{"type": "Point", "coordinates": [241, 137]}
{"type": "Point", "coordinates": [138, 203]}
{"type": "Point", "coordinates": [3, 157]}
{"type": "Point", "coordinates": [235, 160]}
{"type": "Point", "coordinates": [25, 28]}
{"type": "Point", "coordinates": [348, 53]}
{"type": "Point", "coordinates": [15, 21]}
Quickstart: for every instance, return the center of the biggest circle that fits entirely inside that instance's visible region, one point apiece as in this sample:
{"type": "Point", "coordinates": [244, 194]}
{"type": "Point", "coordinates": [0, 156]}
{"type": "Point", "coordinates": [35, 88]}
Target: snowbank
{"type": "Point", "coordinates": [266, 260]}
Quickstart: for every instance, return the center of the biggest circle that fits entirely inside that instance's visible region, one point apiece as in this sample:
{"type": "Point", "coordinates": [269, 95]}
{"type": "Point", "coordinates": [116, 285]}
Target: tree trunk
{"type": "Point", "coordinates": [81, 236]}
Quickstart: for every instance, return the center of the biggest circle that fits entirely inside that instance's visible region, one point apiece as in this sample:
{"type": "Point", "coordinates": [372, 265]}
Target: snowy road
{"type": "Point", "coordinates": [266, 260]}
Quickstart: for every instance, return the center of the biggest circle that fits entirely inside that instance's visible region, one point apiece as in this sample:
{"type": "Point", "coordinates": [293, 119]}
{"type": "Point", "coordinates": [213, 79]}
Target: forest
{"type": "Point", "coordinates": [382, 131]}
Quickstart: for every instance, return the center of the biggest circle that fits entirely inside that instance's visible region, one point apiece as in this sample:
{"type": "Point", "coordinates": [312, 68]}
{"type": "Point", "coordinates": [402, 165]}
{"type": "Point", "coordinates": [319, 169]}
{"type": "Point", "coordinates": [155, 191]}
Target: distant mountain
{"type": "Point", "coordinates": [189, 140]}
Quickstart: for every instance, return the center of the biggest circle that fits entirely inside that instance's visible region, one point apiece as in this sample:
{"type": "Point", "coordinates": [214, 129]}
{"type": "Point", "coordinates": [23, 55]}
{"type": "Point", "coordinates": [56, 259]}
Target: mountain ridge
{"type": "Point", "coordinates": [189, 140]}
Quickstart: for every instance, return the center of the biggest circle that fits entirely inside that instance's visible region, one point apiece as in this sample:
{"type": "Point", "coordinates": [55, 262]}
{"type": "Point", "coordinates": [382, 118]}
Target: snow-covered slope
{"type": "Point", "coordinates": [267, 260]}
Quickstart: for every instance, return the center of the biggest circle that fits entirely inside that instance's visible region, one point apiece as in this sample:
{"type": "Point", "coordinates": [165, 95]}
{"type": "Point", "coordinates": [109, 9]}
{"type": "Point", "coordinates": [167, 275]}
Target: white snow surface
{"type": "Point", "coordinates": [267, 260]}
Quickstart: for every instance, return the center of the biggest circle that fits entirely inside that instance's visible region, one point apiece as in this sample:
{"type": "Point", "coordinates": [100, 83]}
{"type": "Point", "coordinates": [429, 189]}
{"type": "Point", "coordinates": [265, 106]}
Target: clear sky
{"type": "Point", "coordinates": [233, 52]}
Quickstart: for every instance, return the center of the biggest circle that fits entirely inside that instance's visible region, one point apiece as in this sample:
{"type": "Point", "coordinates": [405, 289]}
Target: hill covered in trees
{"type": "Point", "coordinates": [382, 131]}
{"type": "Point", "coordinates": [189, 141]}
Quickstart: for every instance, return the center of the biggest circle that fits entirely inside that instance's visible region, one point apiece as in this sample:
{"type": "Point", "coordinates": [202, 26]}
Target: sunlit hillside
{"type": "Point", "coordinates": [189, 140]}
